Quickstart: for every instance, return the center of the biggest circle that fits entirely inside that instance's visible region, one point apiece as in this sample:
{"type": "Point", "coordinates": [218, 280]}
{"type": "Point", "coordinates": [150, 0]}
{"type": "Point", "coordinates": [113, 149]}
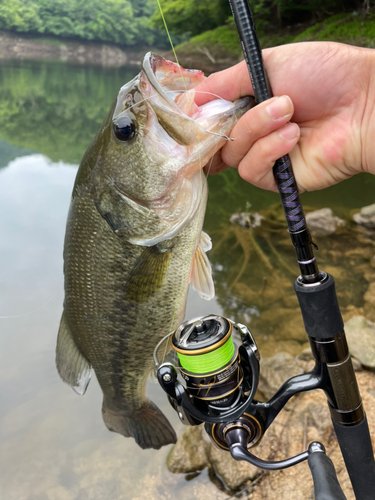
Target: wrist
{"type": "Point", "coordinates": [368, 117]}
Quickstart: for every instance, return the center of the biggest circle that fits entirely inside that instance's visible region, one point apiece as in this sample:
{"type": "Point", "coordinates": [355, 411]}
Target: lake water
{"type": "Point", "coordinates": [54, 445]}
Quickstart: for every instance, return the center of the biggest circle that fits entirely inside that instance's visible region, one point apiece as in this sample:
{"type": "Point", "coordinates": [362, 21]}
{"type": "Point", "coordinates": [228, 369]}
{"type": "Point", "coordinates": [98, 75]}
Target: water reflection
{"type": "Point", "coordinates": [54, 444]}
{"type": "Point", "coordinates": [56, 109]}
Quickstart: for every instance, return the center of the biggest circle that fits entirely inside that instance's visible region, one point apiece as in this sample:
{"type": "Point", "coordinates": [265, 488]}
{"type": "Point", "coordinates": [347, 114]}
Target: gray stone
{"type": "Point", "coordinates": [275, 371]}
{"type": "Point", "coordinates": [189, 453]}
{"type": "Point", "coordinates": [360, 333]}
{"type": "Point", "coordinates": [366, 216]}
{"type": "Point", "coordinates": [247, 219]}
{"type": "Point", "coordinates": [193, 452]}
{"type": "Point", "coordinates": [322, 222]}
{"type": "Point", "coordinates": [357, 365]}
{"type": "Point", "coordinates": [232, 473]}
{"type": "Point", "coordinates": [369, 302]}
{"type": "Point", "coordinates": [305, 355]}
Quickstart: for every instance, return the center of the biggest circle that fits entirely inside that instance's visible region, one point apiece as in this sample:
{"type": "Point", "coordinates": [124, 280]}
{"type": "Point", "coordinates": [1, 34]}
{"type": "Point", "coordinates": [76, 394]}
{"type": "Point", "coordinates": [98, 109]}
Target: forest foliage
{"type": "Point", "coordinates": [134, 22]}
{"type": "Point", "coordinates": [196, 16]}
{"type": "Point", "coordinates": [126, 22]}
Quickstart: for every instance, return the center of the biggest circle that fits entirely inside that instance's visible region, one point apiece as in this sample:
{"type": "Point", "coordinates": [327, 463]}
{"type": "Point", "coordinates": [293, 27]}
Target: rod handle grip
{"type": "Point", "coordinates": [326, 485]}
{"type": "Point", "coordinates": [356, 448]}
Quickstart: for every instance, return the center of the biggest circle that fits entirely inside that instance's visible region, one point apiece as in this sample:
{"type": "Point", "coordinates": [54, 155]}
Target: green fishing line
{"type": "Point", "coordinates": [209, 362]}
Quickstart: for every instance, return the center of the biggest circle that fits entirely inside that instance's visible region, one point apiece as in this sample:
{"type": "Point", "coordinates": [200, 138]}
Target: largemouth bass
{"type": "Point", "coordinates": [134, 240]}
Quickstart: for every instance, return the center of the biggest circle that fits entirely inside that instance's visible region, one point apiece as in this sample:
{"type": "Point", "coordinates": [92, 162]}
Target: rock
{"type": "Point", "coordinates": [319, 416]}
{"type": "Point", "coordinates": [322, 222]}
{"type": "Point", "coordinates": [306, 360]}
{"type": "Point", "coordinates": [232, 473]}
{"type": "Point", "coordinates": [189, 453]}
{"type": "Point", "coordinates": [356, 365]}
{"type": "Point", "coordinates": [350, 311]}
{"type": "Point", "coordinates": [194, 451]}
{"type": "Point", "coordinates": [366, 216]}
{"type": "Point", "coordinates": [247, 219]}
{"type": "Point", "coordinates": [360, 333]}
{"type": "Point", "coordinates": [59, 493]}
{"type": "Point", "coordinates": [275, 371]}
{"type": "Point", "coordinates": [269, 346]}
{"type": "Point", "coordinates": [369, 305]}
{"type": "Point", "coordinates": [305, 355]}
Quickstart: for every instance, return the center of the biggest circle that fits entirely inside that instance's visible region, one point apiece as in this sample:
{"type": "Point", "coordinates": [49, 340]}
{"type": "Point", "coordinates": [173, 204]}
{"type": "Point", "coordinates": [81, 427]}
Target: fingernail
{"type": "Point", "coordinates": [289, 131]}
{"type": "Point", "coordinates": [279, 108]}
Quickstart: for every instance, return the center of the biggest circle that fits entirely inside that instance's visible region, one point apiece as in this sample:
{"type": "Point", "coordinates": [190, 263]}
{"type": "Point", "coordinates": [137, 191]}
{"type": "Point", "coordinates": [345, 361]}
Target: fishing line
{"type": "Point", "coordinates": [170, 40]}
{"type": "Point", "coordinates": [210, 361]}
{"type": "Point", "coordinates": [200, 170]}
{"type": "Point", "coordinates": [30, 312]}
{"type": "Point", "coordinates": [223, 136]}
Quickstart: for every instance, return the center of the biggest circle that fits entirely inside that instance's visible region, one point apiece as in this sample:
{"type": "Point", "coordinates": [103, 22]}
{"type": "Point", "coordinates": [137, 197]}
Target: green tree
{"type": "Point", "coordinates": [18, 15]}
{"type": "Point", "coordinates": [284, 12]}
{"type": "Point", "coordinates": [119, 21]}
{"type": "Point", "coordinates": [191, 16]}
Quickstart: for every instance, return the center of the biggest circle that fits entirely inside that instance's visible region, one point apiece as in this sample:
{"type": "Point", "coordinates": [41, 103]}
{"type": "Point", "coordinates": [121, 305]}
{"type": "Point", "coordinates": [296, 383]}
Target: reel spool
{"type": "Point", "coordinates": [209, 362]}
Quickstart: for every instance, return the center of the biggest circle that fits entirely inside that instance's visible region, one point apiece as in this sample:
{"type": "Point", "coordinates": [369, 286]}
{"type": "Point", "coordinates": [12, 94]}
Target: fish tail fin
{"type": "Point", "coordinates": [148, 426]}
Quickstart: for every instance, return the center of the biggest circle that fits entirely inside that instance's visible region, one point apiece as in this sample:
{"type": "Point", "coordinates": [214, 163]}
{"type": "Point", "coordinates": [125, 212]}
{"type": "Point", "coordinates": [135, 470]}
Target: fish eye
{"type": "Point", "coordinates": [124, 129]}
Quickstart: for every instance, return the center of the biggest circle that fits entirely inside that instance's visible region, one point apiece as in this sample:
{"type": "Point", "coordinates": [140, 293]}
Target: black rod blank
{"type": "Point", "coordinates": [282, 169]}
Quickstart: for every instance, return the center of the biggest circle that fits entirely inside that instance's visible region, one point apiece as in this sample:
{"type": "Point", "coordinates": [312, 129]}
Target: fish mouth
{"type": "Point", "coordinates": [178, 136]}
{"type": "Point", "coordinates": [170, 90]}
{"type": "Point", "coordinates": [177, 129]}
{"type": "Point", "coordinates": [176, 139]}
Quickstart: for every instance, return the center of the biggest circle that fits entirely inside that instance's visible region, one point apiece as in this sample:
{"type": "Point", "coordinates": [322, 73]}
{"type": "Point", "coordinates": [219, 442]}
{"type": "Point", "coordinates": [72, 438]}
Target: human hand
{"type": "Point", "coordinates": [326, 92]}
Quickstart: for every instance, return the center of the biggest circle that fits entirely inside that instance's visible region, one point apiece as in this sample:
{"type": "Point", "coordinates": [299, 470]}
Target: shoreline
{"type": "Point", "coordinates": [21, 47]}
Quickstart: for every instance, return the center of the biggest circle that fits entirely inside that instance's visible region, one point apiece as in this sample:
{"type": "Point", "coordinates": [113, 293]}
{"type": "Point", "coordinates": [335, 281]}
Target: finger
{"type": "Point", "coordinates": [229, 84]}
{"type": "Point", "coordinates": [258, 122]}
{"type": "Point", "coordinates": [256, 166]}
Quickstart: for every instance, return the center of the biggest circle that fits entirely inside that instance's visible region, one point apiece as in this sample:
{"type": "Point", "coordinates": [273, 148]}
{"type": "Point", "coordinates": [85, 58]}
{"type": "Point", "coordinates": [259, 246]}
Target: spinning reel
{"type": "Point", "coordinates": [221, 379]}
{"type": "Point", "coordinates": [217, 386]}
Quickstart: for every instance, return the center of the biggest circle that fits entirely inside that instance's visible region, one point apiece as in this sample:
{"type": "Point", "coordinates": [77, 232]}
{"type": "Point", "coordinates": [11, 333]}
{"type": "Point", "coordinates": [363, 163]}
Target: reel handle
{"type": "Point", "coordinates": [326, 485]}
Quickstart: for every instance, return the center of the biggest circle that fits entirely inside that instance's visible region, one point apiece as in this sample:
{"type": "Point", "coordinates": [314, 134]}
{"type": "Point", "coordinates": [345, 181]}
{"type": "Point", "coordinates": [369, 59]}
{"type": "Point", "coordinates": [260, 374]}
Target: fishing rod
{"type": "Point", "coordinates": [316, 294]}
{"type": "Point", "coordinates": [221, 379]}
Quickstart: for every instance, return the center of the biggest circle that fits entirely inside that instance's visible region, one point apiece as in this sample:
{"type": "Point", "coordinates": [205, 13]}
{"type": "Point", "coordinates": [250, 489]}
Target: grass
{"type": "Point", "coordinates": [222, 39]}
{"type": "Point", "coordinates": [353, 28]}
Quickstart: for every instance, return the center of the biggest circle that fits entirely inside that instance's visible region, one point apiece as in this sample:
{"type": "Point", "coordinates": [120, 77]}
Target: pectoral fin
{"type": "Point", "coordinates": [201, 273]}
{"type": "Point", "coordinates": [148, 273]}
{"type": "Point", "coordinates": [205, 241]}
{"type": "Point", "coordinates": [71, 364]}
